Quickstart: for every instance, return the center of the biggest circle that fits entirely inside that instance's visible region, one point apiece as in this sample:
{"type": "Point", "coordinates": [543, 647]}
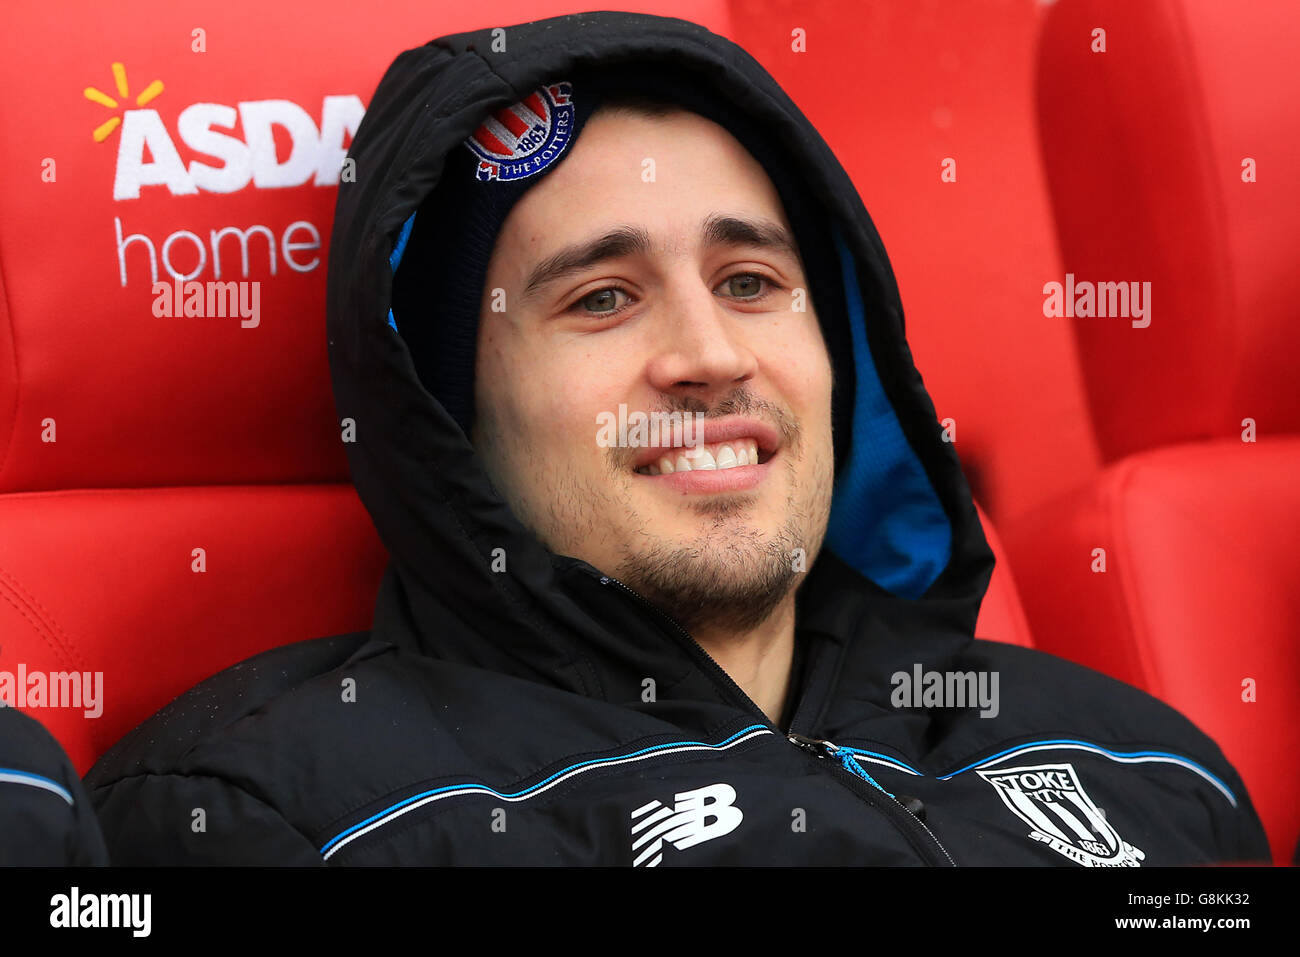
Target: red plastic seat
{"type": "Point", "coordinates": [1002, 616]}
{"type": "Point", "coordinates": [155, 146]}
{"type": "Point", "coordinates": [1170, 158]}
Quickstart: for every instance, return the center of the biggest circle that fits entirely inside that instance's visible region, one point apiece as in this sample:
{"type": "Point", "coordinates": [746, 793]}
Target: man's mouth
{"type": "Point", "coordinates": [714, 455]}
{"type": "Point", "coordinates": [714, 445]}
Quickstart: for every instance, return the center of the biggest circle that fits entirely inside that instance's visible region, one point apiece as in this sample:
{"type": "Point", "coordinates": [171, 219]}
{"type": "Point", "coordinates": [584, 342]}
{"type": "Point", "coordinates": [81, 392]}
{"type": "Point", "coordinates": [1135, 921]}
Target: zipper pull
{"type": "Point", "coordinates": [828, 749]}
{"type": "Point", "coordinates": [815, 745]}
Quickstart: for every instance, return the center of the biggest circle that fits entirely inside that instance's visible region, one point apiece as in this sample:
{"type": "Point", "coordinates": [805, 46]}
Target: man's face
{"type": "Point", "coordinates": [695, 319]}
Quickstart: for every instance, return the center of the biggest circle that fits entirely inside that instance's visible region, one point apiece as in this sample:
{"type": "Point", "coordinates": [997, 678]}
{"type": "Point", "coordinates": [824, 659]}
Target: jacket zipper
{"type": "Point", "coordinates": [819, 748]}
{"type": "Point", "coordinates": [826, 749]}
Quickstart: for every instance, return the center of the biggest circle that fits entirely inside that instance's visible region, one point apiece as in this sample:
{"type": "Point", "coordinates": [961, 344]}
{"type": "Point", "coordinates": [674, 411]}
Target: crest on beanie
{"type": "Point", "coordinates": [521, 140]}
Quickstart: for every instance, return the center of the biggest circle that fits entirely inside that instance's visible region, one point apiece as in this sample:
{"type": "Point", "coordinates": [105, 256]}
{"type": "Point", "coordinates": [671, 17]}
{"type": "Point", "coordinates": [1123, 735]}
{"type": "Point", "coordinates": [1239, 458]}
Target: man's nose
{"type": "Point", "coordinates": [701, 348]}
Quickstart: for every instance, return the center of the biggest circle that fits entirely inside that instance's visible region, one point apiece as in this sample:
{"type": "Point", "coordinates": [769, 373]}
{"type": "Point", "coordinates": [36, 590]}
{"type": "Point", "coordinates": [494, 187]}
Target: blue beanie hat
{"type": "Point", "coordinates": [438, 284]}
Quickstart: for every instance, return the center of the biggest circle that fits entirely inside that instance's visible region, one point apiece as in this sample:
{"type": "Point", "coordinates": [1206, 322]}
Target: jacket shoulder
{"type": "Point", "coordinates": [221, 701]}
{"type": "Point", "coordinates": [1046, 697]}
{"type": "Point", "coordinates": [190, 785]}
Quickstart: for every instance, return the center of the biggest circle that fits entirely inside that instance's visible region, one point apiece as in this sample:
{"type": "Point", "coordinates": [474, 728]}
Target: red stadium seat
{"type": "Point", "coordinates": [905, 92]}
{"type": "Point", "coordinates": [1170, 156]}
{"type": "Point", "coordinates": [174, 495]}
{"type": "Point", "coordinates": [1001, 617]}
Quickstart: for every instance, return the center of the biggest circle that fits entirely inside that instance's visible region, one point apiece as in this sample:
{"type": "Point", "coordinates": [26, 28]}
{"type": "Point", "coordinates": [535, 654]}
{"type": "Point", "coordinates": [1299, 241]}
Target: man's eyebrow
{"type": "Point", "coordinates": [623, 241]}
{"type": "Point", "coordinates": [634, 240]}
{"type": "Point", "coordinates": [733, 231]}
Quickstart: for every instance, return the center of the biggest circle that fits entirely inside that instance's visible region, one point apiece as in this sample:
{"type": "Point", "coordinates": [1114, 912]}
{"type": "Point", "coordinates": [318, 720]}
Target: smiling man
{"type": "Point", "coordinates": [681, 306]}
{"type": "Point", "coordinates": [668, 651]}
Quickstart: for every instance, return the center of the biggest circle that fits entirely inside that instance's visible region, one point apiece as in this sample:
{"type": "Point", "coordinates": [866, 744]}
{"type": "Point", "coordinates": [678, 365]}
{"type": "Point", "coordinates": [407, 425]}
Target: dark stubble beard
{"type": "Point", "coordinates": [732, 575]}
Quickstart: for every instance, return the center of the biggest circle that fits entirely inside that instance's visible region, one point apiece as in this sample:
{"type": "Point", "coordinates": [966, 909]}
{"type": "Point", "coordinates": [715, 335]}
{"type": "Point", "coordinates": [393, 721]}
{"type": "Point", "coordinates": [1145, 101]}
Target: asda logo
{"type": "Point", "coordinates": [148, 156]}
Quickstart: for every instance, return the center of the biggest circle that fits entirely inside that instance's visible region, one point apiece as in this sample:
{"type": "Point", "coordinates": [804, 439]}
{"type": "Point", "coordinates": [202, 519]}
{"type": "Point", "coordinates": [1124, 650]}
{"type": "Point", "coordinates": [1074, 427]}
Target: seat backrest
{"type": "Point", "coordinates": [1171, 134]}
{"type": "Point", "coordinates": [1002, 616]}
{"type": "Point", "coordinates": [930, 108]}
{"type": "Point", "coordinates": [174, 495]}
{"type": "Point", "coordinates": [1171, 158]}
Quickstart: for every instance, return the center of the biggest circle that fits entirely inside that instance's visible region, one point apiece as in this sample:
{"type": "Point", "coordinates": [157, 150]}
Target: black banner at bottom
{"type": "Point", "coordinates": [331, 906]}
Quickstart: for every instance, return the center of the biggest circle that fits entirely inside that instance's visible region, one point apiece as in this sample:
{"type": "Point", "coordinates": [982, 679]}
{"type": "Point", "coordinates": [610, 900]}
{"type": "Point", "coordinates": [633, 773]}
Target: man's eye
{"type": "Point", "coordinates": [746, 286]}
{"type": "Point", "coordinates": [601, 300]}
{"type": "Point", "coordinates": [749, 285]}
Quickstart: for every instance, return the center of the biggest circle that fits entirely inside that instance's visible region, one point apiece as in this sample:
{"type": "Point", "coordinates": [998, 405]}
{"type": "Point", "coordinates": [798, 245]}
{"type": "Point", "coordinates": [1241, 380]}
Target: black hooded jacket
{"type": "Point", "coordinates": [546, 714]}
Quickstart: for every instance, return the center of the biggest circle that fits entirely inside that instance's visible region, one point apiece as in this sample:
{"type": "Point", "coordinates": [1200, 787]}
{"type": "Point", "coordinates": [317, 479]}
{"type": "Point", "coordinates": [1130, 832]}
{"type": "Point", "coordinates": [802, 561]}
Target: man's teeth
{"type": "Point", "coordinates": [721, 455]}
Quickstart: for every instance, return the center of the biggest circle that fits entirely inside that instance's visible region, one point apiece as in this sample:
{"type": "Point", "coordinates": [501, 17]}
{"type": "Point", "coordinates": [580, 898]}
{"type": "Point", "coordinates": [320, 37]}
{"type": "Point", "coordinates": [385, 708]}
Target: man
{"type": "Point", "coordinates": [714, 545]}
{"type": "Point", "coordinates": [602, 643]}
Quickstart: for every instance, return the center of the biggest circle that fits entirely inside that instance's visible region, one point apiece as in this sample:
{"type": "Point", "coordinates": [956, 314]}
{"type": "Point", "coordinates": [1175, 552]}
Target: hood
{"type": "Point", "coordinates": [903, 529]}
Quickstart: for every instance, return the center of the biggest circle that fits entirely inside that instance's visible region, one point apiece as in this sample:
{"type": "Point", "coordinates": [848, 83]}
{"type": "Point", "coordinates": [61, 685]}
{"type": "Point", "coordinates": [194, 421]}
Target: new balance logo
{"type": "Point", "coordinates": [698, 816]}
